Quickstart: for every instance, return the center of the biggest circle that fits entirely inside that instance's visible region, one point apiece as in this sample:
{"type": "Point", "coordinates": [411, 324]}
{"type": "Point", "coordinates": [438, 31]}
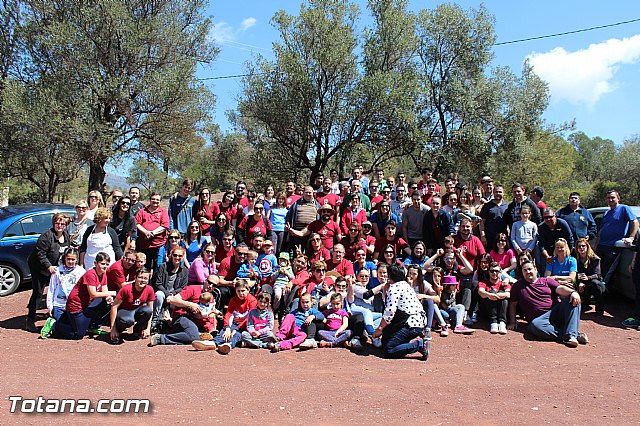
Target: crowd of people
{"type": "Point", "coordinates": [347, 262]}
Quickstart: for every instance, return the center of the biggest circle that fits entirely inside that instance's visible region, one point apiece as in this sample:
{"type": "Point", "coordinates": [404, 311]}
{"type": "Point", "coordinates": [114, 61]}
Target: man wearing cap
{"type": "Point", "coordinates": [552, 309]}
{"type": "Point", "coordinates": [487, 188]}
{"type": "Point", "coordinates": [325, 226]}
{"type": "Point", "coordinates": [413, 218]}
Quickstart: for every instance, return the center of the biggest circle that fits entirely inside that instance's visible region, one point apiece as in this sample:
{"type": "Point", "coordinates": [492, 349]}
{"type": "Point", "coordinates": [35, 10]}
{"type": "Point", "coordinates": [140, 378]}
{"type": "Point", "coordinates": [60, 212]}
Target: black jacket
{"type": "Point", "coordinates": [444, 222]}
{"type": "Point", "coordinates": [47, 252]}
{"type": "Point", "coordinates": [161, 279]}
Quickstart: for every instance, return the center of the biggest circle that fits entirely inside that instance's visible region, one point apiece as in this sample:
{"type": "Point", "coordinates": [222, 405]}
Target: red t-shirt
{"type": "Point", "coordinates": [252, 225]}
{"type": "Point", "coordinates": [322, 254]}
{"type": "Point", "coordinates": [292, 199]}
{"type": "Point", "coordinates": [229, 268]}
{"type": "Point", "coordinates": [151, 221]}
{"type": "Point", "coordinates": [474, 248]}
{"type": "Point", "coordinates": [208, 212]}
{"type": "Point", "coordinates": [301, 277]}
{"type": "Point", "coordinates": [79, 298]}
{"type": "Point", "coordinates": [398, 244]}
{"type": "Point", "coordinates": [330, 199]}
{"type": "Point", "coordinates": [221, 254]}
{"type": "Point", "coordinates": [190, 293]}
{"type": "Point", "coordinates": [374, 202]}
{"type": "Point", "coordinates": [499, 286]}
{"type": "Point", "coordinates": [132, 298]}
{"type": "Point", "coordinates": [344, 268]}
{"type": "Point", "coordinates": [231, 211]}
{"type": "Point", "coordinates": [328, 232]}
{"type": "Point", "coordinates": [238, 311]}
{"type": "Point", "coordinates": [117, 276]}
{"type": "Point", "coordinates": [350, 249]}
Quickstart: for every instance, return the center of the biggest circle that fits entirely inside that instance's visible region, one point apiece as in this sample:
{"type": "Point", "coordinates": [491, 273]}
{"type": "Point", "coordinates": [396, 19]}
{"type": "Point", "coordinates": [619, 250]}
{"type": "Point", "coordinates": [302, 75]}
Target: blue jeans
{"type": "Point", "coordinates": [330, 336]}
{"type": "Point", "coordinates": [371, 319]}
{"type": "Point", "coordinates": [183, 332]}
{"type": "Point", "coordinates": [128, 317]}
{"type": "Point", "coordinates": [560, 323]}
{"type": "Point", "coordinates": [455, 312]}
{"type": "Point", "coordinates": [235, 339]}
{"type": "Point", "coordinates": [260, 341]}
{"type": "Point", "coordinates": [74, 325]}
{"type": "Point", "coordinates": [399, 344]}
{"type": "Point", "coordinates": [57, 312]}
{"type": "Point", "coordinates": [429, 308]}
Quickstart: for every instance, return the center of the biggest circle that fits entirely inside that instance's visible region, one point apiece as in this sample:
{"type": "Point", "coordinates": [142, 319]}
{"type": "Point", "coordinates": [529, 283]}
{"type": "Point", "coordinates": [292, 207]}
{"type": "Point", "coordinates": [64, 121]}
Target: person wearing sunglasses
{"type": "Point", "coordinates": [164, 253]}
{"type": "Point", "coordinates": [228, 272]}
{"type": "Point", "coordinates": [77, 227]}
{"type": "Point", "coordinates": [552, 229]}
{"type": "Point", "coordinates": [170, 279]}
{"type": "Point", "coordinates": [122, 271]}
{"type": "Point", "coordinates": [254, 223]}
{"type": "Point", "coordinates": [204, 266]}
{"type": "Point", "coordinates": [494, 298]}
{"type": "Point", "coordinates": [194, 241]}
{"type": "Point", "coordinates": [124, 223]}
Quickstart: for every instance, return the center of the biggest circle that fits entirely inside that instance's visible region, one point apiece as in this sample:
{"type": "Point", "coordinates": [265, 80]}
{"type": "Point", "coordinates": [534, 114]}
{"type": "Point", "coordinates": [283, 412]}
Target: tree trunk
{"type": "Point", "coordinates": [97, 174]}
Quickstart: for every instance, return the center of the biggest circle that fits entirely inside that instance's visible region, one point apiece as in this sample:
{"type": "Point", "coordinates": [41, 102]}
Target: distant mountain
{"type": "Point", "coordinates": [115, 181]}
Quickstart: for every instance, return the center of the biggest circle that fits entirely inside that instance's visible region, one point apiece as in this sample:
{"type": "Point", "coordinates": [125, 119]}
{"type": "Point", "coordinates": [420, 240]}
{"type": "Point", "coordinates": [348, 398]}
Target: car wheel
{"type": "Point", "coordinates": [9, 280]}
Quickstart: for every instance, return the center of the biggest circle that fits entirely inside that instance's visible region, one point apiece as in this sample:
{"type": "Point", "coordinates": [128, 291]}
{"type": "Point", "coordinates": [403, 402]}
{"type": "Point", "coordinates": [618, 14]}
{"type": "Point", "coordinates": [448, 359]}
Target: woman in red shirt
{"type": "Point", "coordinates": [87, 304]}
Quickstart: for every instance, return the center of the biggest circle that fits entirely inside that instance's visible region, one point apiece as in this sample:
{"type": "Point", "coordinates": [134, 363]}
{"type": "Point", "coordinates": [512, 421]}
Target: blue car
{"type": "Point", "coordinates": [20, 227]}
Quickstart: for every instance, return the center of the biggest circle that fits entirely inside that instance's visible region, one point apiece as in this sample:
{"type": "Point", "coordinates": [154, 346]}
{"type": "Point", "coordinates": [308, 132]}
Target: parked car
{"type": "Point", "coordinates": [622, 283]}
{"type": "Point", "coordinates": [20, 227]}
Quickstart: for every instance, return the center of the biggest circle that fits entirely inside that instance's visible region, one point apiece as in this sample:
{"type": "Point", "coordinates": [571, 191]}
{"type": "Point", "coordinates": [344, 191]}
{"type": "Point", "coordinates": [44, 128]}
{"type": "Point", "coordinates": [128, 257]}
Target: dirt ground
{"type": "Point", "coordinates": [480, 379]}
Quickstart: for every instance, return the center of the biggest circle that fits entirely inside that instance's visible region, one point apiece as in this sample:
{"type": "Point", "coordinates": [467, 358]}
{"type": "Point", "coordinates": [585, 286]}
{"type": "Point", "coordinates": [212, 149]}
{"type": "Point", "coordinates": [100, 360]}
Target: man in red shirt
{"type": "Point", "coordinates": [133, 306]}
{"type": "Point", "coordinates": [390, 237]}
{"type": "Point", "coordinates": [228, 271]}
{"type": "Point", "coordinates": [290, 190]}
{"type": "Point", "coordinates": [324, 196]}
{"type": "Point", "coordinates": [122, 271]}
{"type": "Point", "coordinates": [325, 226]}
{"type": "Point", "coordinates": [341, 265]}
{"type": "Point", "coordinates": [153, 224]}
{"type": "Point", "coordinates": [471, 248]}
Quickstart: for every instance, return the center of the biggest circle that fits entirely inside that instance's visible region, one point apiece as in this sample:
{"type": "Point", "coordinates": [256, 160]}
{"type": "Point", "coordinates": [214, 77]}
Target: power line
{"type": "Point", "coordinates": [566, 33]}
{"type": "Point", "coordinates": [495, 44]}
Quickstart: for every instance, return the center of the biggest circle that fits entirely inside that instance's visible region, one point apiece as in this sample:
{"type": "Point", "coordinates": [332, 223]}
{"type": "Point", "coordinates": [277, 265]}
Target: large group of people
{"type": "Point", "coordinates": [352, 262]}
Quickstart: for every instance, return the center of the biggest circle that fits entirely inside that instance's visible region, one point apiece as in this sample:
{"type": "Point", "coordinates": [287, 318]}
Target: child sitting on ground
{"type": "Point", "coordinates": [206, 318]}
{"type": "Point", "coordinates": [298, 327]}
{"type": "Point", "coordinates": [449, 307]}
{"type": "Point", "coordinates": [337, 321]}
{"type": "Point", "coordinates": [281, 277]}
{"type": "Point", "coordinates": [260, 324]}
{"type": "Point", "coordinates": [235, 321]}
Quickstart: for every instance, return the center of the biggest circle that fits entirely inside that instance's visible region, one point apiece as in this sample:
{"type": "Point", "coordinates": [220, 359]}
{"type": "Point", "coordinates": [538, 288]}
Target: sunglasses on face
{"type": "Point", "coordinates": [494, 271]}
{"type": "Point", "coordinates": [194, 227]}
{"type": "Point", "coordinates": [258, 209]}
{"type": "Point", "coordinates": [125, 203]}
{"type": "Point", "coordinates": [174, 237]}
{"type": "Point", "coordinates": [210, 252]}
{"type": "Point", "coordinates": [221, 219]}
{"type": "Point", "coordinates": [130, 260]}
{"type": "Point", "coordinates": [177, 256]}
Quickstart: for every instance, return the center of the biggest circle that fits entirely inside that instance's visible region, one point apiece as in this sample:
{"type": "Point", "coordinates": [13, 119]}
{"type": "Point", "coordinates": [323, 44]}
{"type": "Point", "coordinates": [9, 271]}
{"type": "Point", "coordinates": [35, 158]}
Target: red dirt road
{"type": "Point", "coordinates": [480, 379]}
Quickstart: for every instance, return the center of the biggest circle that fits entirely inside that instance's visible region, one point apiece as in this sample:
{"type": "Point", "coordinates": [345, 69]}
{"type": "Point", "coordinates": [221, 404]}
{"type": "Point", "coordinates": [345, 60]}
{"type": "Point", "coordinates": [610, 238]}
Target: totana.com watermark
{"type": "Point", "coordinates": [103, 406]}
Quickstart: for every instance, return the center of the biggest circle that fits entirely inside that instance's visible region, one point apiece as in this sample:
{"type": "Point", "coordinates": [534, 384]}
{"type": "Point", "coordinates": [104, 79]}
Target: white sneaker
{"type": "Point", "coordinates": [309, 344]}
{"type": "Point", "coordinates": [376, 342]}
{"type": "Point", "coordinates": [502, 328]}
{"type": "Point", "coordinates": [204, 345]}
{"type": "Point", "coordinates": [494, 328]}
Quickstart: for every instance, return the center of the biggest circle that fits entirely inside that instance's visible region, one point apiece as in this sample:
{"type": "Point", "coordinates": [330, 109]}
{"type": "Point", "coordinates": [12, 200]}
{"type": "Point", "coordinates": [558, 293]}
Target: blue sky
{"type": "Point", "coordinates": [594, 76]}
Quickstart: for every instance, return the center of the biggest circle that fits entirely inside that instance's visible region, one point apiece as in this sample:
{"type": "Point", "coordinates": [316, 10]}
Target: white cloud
{"type": "Point", "coordinates": [583, 76]}
{"type": "Point", "coordinates": [248, 23]}
{"type": "Point", "coordinates": [223, 32]}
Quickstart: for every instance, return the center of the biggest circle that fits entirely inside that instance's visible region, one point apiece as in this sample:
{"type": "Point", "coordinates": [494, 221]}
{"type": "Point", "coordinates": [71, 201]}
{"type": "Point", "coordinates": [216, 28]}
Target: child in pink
{"type": "Point", "coordinates": [337, 321]}
{"type": "Point", "coordinates": [290, 334]}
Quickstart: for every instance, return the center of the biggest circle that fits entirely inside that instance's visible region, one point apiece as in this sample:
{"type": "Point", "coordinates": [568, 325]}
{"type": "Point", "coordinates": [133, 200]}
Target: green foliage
{"type": "Point", "coordinates": [129, 63]}
{"type": "Point", "coordinates": [626, 170]}
{"type": "Point", "coordinates": [151, 178]}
